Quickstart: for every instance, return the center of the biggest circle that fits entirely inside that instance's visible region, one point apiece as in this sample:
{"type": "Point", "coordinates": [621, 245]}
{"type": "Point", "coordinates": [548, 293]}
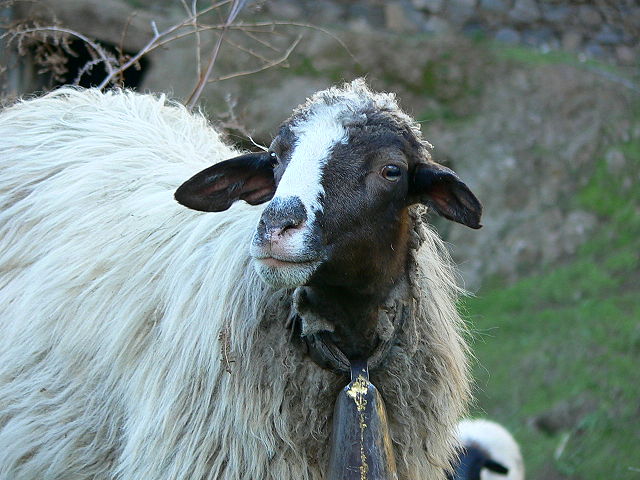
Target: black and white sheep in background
{"type": "Point", "coordinates": [489, 452]}
{"type": "Point", "coordinates": [140, 339]}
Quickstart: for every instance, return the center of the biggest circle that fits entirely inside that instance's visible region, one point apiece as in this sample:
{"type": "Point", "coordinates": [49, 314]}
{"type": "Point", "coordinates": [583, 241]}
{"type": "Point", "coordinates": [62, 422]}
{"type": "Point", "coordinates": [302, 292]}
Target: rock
{"type": "Point", "coordinates": [565, 415]}
{"type": "Point", "coordinates": [575, 230]}
{"type": "Point", "coordinates": [595, 50]}
{"type": "Point", "coordinates": [616, 162]}
{"type": "Point", "coordinates": [555, 13]}
{"type": "Point", "coordinates": [539, 37]}
{"type": "Point", "coordinates": [433, 6]}
{"type": "Point", "coordinates": [464, 3]}
{"type": "Point", "coordinates": [473, 29]}
{"type": "Point", "coordinates": [460, 11]}
{"type": "Point", "coordinates": [589, 16]}
{"type": "Point", "coordinates": [325, 13]}
{"type": "Point", "coordinates": [276, 102]}
{"type": "Point", "coordinates": [397, 20]}
{"type": "Point", "coordinates": [359, 24]}
{"type": "Point", "coordinates": [103, 21]}
{"type": "Point", "coordinates": [633, 17]}
{"type": "Point", "coordinates": [373, 15]}
{"type": "Point", "coordinates": [525, 11]}
{"type": "Point", "coordinates": [507, 35]}
{"type": "Point", "coordinates": [285, 10]}
{"type": "Point", "coordinates": [437, 26]}
{"type": "Point", "coordinates": [571, 40]}
{"type": "Point", "coordinates": [495, 6]}
{"type": "Point", "coordinates": [533, 161]}
{"type": "Point", "coordinates": [626, 55]}
{"type": "Point", "coordinates": [608, 35]}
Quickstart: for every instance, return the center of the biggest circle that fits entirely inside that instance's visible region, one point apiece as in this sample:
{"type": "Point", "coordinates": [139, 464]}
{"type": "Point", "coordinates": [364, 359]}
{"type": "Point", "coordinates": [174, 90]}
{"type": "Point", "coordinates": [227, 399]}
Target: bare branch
{"type": "Point", "coordinates": [270, 26]}
{"type": "Point", "coordinates": [186, 7]}
{"type": "Point", "coordinates": [194, 10]}
{"type": "Point", "coordinates": [191, 25]}
{"type": "Point", "coordinates": [266, 66]}
{"type": "Point", "coordinates": [304, 25]}
{"type": "Point", "coordinates": [125, 30]}
{"type": "Point", "coordinates": [86, 68]}
{"type": "Point", "coordinates": [177, 36]}
{"type": "Point", "coordinates": [260, 40]}
{"type": "Point", "coordinates": [154, 42]}
{"type": "Point", "coordinates": [260, 27]}
{"type": "Point", "coordinates": [249, 51]}
{"type": "Point", "coordinates": [236, 7]}
{"type": "Point", "coordinates": [108, 60]}
{"type": "Point", "coordinates": [202, 80]}
{"type": "Point", "coordinates": [261, 147]}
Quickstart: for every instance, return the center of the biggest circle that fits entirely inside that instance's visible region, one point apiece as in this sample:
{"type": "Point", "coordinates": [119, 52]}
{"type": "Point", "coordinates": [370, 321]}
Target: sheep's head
{"type": "Point", "coordinates": [340, 176]}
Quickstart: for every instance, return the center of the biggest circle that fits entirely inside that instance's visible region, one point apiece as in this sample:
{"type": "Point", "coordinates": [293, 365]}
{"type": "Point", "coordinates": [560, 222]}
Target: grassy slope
{"type": "Point", "coordinates": [559, 353]}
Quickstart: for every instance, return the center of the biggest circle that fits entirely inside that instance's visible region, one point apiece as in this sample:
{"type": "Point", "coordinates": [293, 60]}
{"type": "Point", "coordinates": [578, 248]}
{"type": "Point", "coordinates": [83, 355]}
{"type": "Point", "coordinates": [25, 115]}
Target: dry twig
{"type": "Point", "coordinates": [266, 66]}
{"type": "Point", "coordinates": [156, 41]}
{"type": "Point", "coordinates": [20, 33]}
{"type": "Point", "coordinates": [116, 63]}
{"type": "Point", "coordinates": [236, 7]}
{"type": "Point", "coordinates": [226, 356]}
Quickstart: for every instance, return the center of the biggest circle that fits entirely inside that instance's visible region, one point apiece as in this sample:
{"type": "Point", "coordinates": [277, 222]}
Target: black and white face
{"type": "Point", "coordinates": [340, 176]}
{"type": "Point", "coordinates": [288, 244]}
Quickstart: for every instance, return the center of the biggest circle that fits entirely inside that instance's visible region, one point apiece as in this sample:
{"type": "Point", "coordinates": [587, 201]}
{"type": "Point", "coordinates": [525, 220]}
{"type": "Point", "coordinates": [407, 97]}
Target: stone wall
{"type": "Point", "coordinates": [604, 29]}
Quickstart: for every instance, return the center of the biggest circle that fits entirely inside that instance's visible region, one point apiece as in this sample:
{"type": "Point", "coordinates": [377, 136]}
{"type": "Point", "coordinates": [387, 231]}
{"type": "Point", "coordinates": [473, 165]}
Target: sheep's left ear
{"type": "Point", "coordinates": [440, 188]}
{"type": "Point", "coordinates": [247, 177]}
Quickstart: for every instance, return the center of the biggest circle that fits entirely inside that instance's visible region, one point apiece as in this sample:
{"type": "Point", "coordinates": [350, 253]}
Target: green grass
{"type": "Point", "coordinates": [530, 56]}
{"type": "Point", "coordinates": [527, 55]}
{"type": "Point", "coordinates": [627, 76]}
{"type": "Point", "coordinates": [562, 348]}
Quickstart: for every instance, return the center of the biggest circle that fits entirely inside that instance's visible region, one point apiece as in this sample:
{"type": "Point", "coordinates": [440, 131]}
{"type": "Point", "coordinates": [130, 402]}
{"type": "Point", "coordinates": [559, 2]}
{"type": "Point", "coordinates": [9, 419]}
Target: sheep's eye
{"type": "Point", "coordinates": [391, 172]}
{"type": "Point", "coordinates": [273, 159]}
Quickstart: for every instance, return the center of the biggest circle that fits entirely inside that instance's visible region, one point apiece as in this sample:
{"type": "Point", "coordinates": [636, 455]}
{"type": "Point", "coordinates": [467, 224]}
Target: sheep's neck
{"type": "Point", "coordinates": [351, 317]}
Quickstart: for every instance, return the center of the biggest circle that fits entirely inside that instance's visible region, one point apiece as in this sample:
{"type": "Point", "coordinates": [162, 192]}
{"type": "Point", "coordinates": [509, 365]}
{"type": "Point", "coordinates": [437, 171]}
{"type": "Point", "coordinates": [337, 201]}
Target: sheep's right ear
{"type": "Point", "coordinates": [247, 177]}
{"type": "Point", "coordinates": [495, 467]}
{"type": "Point", "coordinates": [440, 188]}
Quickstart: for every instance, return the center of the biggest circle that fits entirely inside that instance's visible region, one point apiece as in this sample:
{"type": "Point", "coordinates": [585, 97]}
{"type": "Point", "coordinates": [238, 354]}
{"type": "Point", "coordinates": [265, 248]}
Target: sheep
{"type": "Point", "coordinates": [140, 339]}
{"type": "Point", "coordinates": [489, 452]}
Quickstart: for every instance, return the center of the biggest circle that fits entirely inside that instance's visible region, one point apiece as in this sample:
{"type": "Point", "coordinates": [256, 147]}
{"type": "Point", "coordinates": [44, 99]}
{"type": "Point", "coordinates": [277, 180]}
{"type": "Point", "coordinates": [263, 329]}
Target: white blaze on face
{"type": "Point", "coordinates": [316, 137]}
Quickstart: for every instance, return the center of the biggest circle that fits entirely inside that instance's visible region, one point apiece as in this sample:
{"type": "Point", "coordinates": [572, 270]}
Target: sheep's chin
{"type": "Point", "coordinates": [286, 276]}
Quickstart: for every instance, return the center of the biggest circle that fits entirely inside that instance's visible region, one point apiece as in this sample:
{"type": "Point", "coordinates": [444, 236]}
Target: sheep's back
{"type": "Point", "coordinates": [101, 273]}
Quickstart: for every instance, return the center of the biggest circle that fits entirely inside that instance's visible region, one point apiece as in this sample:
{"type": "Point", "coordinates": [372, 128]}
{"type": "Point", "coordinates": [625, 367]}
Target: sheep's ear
{"type": "Point", "coordinates": [495, 467]}
{"type": "Point", "coordinates": [441, 189]}
{"type": "Point", "coordinates": [247, 177]}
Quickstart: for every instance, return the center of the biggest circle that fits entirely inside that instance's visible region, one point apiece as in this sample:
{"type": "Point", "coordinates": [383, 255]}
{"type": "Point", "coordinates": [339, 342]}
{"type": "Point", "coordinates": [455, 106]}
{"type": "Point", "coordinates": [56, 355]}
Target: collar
{"type": "Point", "coordinates": [326, 354]}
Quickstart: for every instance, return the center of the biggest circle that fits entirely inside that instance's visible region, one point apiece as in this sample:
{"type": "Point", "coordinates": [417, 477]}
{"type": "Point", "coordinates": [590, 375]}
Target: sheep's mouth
{"type": "Point", "coordinates": [276, 262]}
{"type": "Point", "coordinates": [282, 272]}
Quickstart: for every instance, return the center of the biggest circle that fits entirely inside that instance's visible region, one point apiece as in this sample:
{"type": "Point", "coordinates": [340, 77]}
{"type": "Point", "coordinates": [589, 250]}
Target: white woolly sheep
{"type": "Point", "coordinates": [489, 452]}
{"type": "Point", "coordinates": [140, 339]}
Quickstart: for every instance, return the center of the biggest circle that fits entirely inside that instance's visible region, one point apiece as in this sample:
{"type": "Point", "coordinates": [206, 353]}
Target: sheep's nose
{"type": "Point", "coordinates": [281, 216]}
